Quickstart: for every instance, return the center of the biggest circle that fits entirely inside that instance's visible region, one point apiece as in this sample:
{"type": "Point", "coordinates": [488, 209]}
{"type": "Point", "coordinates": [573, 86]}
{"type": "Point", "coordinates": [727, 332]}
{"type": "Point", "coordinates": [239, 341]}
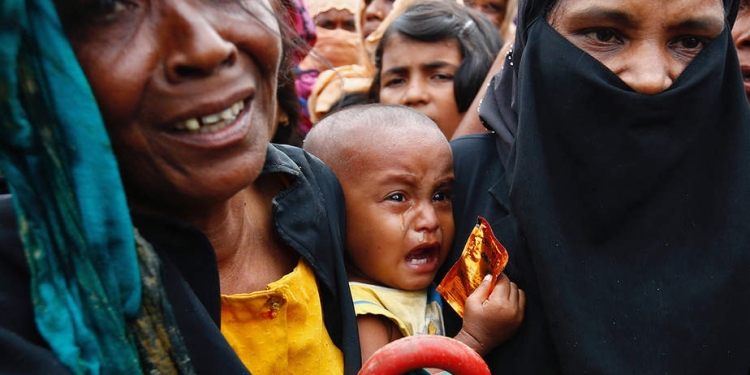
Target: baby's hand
{"type": "Point", "coordinates": [491, 319]}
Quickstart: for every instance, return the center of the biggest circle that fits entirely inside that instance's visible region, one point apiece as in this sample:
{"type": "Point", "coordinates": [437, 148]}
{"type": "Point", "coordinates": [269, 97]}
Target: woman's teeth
{"type": "Point", "coordinates": [212, 122]}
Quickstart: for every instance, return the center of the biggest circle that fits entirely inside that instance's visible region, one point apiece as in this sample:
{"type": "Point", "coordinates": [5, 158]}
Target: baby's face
{"type": "Point", "coordinates": [399, 211]}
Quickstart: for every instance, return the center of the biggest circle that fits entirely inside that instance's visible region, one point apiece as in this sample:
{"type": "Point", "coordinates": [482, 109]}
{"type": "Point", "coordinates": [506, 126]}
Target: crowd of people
{"type": "Point", "coordinates": [276, 186]}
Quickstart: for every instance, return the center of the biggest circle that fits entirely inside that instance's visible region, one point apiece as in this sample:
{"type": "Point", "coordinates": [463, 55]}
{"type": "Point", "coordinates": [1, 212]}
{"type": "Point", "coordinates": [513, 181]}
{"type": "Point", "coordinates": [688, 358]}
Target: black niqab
{"type": "Point", "coordinates": [632, 208]}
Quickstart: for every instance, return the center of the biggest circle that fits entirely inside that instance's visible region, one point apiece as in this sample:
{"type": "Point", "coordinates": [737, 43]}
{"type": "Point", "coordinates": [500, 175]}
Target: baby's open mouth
{"type": "Point", "coordinates": [421, 256]}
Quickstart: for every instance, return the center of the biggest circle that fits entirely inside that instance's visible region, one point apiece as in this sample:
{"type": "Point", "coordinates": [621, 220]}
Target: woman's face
{"type": "Point", "coordinates": [493, 10]}
{"type": "Point", "coordinates": [187, 91]}
{"type": "Point", "coordinates": [420, 75]}
{"type": "Point", "coordinates": [375, 12]}
{"type": "Point", "coordinates": [333, 19]}
{"type": "Point", "coordinates": [646, 43]}
{"type": "Point", "coordinates": [741, 36]}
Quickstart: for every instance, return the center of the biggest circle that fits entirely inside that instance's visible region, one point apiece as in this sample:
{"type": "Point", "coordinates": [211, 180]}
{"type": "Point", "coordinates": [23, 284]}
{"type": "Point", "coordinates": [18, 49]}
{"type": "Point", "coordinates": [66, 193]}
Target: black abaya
{"type": "Point", "coordinates": [632, 237]}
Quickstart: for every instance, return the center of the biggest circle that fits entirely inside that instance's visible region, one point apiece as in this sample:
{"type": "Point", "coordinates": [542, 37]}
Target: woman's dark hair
{"type": "Point", "coordinates": [439, 20]}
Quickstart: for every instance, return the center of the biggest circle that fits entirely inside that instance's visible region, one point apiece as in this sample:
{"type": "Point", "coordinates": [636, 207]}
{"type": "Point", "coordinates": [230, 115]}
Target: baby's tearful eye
{"type": "Point", "coordinates": [441, 196]}
{"type": "Point", "coordinates": [398, 197]}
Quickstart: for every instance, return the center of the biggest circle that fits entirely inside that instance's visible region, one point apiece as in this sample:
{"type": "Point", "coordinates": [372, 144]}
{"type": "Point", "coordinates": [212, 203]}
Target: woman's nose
{"type": "Point", "coordinates": [741, 31]}
{"type": "Point", "coordinates": [648, 69]}
{"type": "Point", "coordinates": [741, 35]}
{"type": "Point", "coordinates": [415, 94]}
{"type": "Point", "coordinates": [196, 47]}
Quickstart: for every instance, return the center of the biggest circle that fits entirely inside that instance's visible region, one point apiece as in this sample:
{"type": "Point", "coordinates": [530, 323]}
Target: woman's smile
{"type": "Point", "coordinates": [212, 122]}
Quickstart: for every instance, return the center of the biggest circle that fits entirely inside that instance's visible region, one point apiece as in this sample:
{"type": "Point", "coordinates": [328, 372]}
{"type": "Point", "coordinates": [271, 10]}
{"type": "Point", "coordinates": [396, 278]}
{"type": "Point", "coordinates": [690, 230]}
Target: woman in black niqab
{"type": "Point", "coordinates": [625, 214]}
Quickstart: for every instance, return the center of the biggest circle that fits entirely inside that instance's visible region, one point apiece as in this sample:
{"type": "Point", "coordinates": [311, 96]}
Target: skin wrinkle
{"type": "Point", "coordinates": [646, 46]}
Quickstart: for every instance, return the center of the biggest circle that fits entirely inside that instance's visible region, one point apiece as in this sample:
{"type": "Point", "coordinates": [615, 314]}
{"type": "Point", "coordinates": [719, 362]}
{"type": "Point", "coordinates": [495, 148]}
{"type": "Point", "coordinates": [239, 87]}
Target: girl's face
{"type": "Point", "coordinates": [333, 19]}
{"type": "Point", "coordinates": [646, 43]}
{"type": "Point", "coordinates": [187, 91]}
{"type": "Point", "coordinates": [420, 75]}
{"type": "Point", "coordinates": [741, 36]}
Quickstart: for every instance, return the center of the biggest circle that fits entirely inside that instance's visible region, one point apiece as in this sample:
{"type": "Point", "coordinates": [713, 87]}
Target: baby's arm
{"type": "Point", "coordinates": [375, 331]}
{"type": "Point", "coordinates": [490, 319]}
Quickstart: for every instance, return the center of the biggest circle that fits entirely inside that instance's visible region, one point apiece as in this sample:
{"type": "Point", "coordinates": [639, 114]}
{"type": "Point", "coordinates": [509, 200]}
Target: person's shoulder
{"type": "Point", "coordinates": [307, 164]}
{"type": "Point", "coordinates": [3, 185]}
{"type": "Point", "coordinates": [475, 151]}
{"type": "Point", "coordinates": [10, 244]}
{"type": "Point", "coordinates": [294, 154]}
{"type": "Point", "coordinates": [22, 349]}
{"type": "Point", "coordinates": [471, 143]}
{"type": "Point", "coordinates": [14, 271]}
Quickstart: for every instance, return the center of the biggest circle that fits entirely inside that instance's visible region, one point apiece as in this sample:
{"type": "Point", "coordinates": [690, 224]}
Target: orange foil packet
{"type": "Point", "coordinates": [482, 255]}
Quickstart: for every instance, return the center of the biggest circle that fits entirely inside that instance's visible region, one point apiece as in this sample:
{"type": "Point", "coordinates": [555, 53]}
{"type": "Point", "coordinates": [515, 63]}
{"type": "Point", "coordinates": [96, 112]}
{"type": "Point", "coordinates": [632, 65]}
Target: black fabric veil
{"type": "Point", "coordinates": [633, 208]}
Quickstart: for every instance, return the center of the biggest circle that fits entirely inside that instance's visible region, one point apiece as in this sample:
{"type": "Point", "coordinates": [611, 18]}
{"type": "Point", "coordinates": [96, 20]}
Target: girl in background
{"type": "Point", "coordinates": [434, 58]}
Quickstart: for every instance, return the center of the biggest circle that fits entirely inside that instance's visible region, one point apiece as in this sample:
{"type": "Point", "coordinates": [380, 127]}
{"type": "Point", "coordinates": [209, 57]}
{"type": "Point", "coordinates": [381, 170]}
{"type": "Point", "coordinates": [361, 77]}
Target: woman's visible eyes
{"type": "Point", "coordinates": [325, 24]}
{"type": "Point", "coordinates": [602, 35]}
{"type": "Point", "coordinates": [690, 42]}
{"type": "Point", "coordinates": [443, 76]}
{"type": "Point", "coordinates": [393, 81]}
{"type": "Point", "coordinates": [108, 8]}
{"type": "Point", "coordinates": [106, 11]}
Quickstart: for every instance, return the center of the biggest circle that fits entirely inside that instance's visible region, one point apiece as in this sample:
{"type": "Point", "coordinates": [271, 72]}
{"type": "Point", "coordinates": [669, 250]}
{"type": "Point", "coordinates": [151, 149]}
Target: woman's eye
{"type": "Point", "coordinates": [105, 8]}
{"type": "Point", "coordinates": [603, 35]}
{"type": "Point", "coordinates": [393, 82]}
{"type": "Point", "coordinates": [119, 6]}
{"type": "Point", "coordinates": [443, 77]}
{"type": "Point", "coordinates": [691, 42]}
{"type": "Point", "coordinates": [326, 24]}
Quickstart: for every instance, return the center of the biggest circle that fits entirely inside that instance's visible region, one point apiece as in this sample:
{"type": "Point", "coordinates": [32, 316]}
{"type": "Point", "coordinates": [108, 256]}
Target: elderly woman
{"type": "Point", "coordinates": [233, 232]}
{"type": "Point", "coordinates": [617, 176]}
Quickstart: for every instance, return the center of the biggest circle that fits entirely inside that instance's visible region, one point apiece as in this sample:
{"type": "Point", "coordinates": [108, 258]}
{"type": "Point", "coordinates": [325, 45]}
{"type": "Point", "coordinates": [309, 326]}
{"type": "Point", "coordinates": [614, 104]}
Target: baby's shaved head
{"type": "Point", "coordinates": [343, 137]}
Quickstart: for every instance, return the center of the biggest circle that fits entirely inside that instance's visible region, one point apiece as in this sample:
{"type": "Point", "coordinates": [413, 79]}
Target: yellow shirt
{"type": "Point", "coordinates": [280, 330]}
{"type": "Point", "coordinates": [414, 312]}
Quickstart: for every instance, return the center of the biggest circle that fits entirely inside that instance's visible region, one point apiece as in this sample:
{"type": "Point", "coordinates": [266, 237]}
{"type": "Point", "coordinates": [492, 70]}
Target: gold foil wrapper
{"type": "Point", "coordinates": [482, 255]}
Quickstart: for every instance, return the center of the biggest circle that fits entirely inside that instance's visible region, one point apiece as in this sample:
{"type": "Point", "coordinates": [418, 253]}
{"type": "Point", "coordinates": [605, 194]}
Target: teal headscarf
{"type": "Point", "coordinates": [98, 299]}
